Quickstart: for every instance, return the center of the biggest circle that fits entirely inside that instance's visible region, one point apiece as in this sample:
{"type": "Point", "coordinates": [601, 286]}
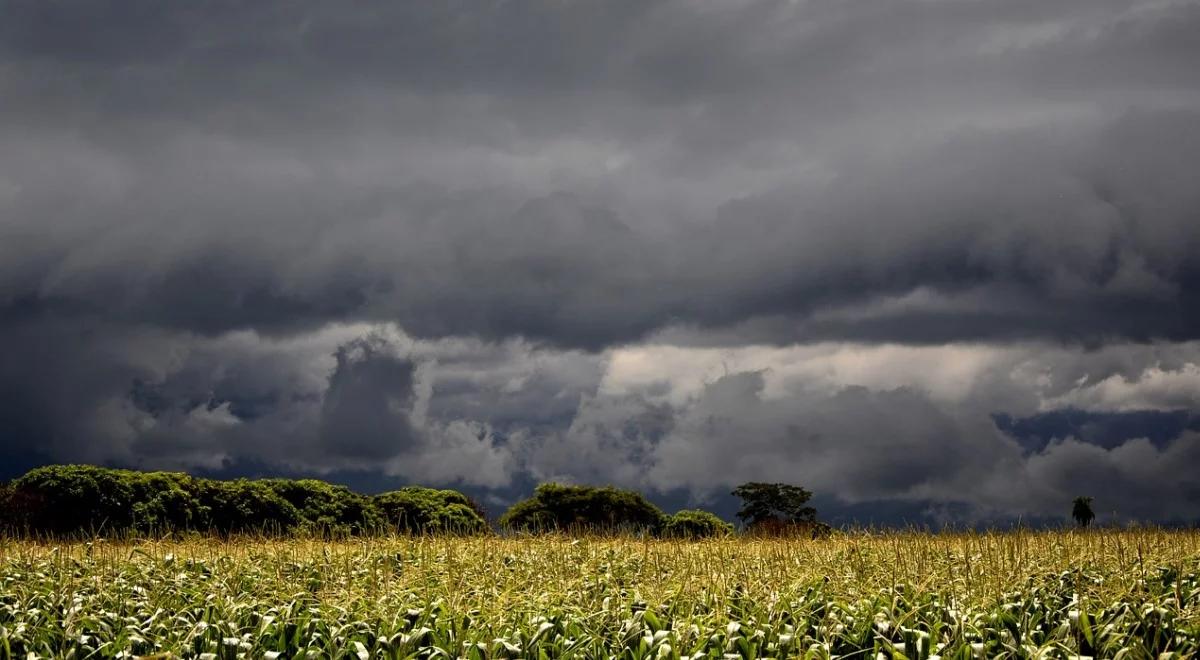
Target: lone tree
{"type": "Point", "coordinates": [774, 507]}
{"type": "Point", "coordinates": [1081, 511]}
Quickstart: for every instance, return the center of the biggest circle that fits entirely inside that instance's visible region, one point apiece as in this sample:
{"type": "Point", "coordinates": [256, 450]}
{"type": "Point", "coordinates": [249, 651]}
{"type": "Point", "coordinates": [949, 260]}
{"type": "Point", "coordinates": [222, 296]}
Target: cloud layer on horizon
{"type": "Point", "coordinates": [858, 423]}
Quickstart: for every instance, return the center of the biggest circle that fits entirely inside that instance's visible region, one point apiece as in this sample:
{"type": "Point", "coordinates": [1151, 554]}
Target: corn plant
{"type": "Point", "coordinates": [1097, 593]}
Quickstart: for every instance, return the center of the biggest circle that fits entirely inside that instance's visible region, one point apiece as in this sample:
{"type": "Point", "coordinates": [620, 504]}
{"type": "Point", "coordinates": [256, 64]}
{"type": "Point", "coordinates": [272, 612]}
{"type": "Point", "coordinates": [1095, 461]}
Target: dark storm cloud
{"type": "Point", "coordinates": [343, 399]}
{"type": "Point", "coordinates": [1014, 236]}
{"type": "Point", "coordinates": [510, 387]}
{"type": "Point", "coordinates": [365, 411]}
{"type": "Point", "coordinates": [208, 211]}
{"type": "Point", "coordinates": [587, 173]}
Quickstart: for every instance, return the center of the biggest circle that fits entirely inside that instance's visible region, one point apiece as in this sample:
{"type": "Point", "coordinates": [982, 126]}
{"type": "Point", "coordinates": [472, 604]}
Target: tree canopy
{"type": "Point", "coordinates": [559, 507]}
{"type": "Point", "coordinates": [72, 500]}
{"type": "Point", "coordinates": [764, 503]}
{"type": "Point", "coordinates": [429, 510]}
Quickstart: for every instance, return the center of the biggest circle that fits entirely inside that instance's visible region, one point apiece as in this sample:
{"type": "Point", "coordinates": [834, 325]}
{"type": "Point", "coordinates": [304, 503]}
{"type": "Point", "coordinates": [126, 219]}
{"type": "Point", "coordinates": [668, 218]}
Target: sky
{"type": "Point", "coordinates": [937, 261]}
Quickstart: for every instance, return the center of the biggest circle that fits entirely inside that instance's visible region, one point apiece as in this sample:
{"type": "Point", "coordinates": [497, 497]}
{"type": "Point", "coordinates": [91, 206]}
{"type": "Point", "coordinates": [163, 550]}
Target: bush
{"type": "Point", "coordinates": [67, 499]}
{"type": "Point", "coordinates": [772, 528]}
{"type": "Point", "coordinates": [583, 508]}
{"type": "Point", "coordinates": [416, 510]}
{"type": "Point", "coordinates": [327, 508]}
{"type": "Point", "coordinates": [165, 501]}
{"type": "Point", "coordinates": [242, 505]}
{"type": "Point", "coordinates": [695, 524]}
{"type": "Point", "coordinates": [9, 520]}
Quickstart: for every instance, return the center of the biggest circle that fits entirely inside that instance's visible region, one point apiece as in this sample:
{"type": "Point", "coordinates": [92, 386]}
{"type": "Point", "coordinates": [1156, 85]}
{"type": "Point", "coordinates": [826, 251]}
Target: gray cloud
{"type": "Point", "coordinates": [860, 424]}
{"type": "Point", "coordinates": [1012, 241]}
{"type": "Point", "coordinates": [629, 167]}
{"type": "Point", "coordinates": [346, 398]}
{"type": "Point", "coordinates": [872, 449]}
{"type": "Point", "coordinates": [366, 408]}
{"type": "Point", "coordinates": [206, 211]}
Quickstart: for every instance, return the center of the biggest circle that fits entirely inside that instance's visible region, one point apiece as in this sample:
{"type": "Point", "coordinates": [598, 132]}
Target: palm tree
{"type": "Point", "coordinates": [1082, 511]}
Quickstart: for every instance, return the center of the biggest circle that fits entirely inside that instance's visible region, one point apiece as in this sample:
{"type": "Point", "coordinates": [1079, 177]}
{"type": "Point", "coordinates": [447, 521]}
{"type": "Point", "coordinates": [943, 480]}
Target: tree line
{"type": "Point", "coordinates": [90, 500]}
{"type": "Point", "coordinates": [77, 500]}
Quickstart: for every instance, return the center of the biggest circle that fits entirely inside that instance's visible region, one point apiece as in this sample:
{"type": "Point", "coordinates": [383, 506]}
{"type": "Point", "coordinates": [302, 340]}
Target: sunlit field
{"type": "Point", "coordinates": [1132, 594]}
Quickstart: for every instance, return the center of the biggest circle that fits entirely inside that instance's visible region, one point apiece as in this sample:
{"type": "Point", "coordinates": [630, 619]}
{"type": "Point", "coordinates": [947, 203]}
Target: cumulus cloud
{"type": "Point", "coordinates": [1154, 388]}
{"type": "Point", "coordinates": [871, 424]}
{"type": "Point", "coordinates": [864, 424]}
{"type": "Point", "coordinates": [965, 431]}
{"type": "Point", "coordinates": [346, 398]}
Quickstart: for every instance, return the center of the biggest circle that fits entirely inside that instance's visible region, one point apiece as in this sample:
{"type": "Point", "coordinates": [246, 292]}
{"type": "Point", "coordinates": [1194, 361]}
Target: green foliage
{"type": "Point", "coordinates": [417, 510]}
{"type": "Point", "coordinates": [66, 500]}
{"type": "Point", "coordinates": [774, 504]}
{"type": "Point", "coordinates": [74, 500]}
{"type": "Point", "coordinates": [77, 498]}
{"type": "Point", "coordinates": [327, 508]}
{"type": "Point", "coordinates": [695, 524]}
{"type": "Point", "coordinates": [165, 501]}
{"type": "Point", "coordinates": [558, 507]}
{"type": "Point", "coordinates": [243, 505]}
{"type": "Point", "coordinates": [8, 508]}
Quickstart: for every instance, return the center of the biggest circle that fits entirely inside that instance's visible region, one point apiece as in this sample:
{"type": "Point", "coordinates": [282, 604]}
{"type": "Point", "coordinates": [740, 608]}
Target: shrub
{"type": "Point", "coordinates": [417, 510]}
{"type": "Point", "coordinates": [695, 524]}
{"type": "Point", "coordinates": [583, 508]}
{"type": "Point", "coordinates": [327, 508]}
{"type": "Point", "coordinates": [166, 501]}
{"type": "Point", "coordinates": [77, 498]}
{"type": "Point", "coordinates": [242, 505]}
{"type": "Point", "coordinates": [9, 518]}
{"type": "Point", "coordinates": [774, 528]}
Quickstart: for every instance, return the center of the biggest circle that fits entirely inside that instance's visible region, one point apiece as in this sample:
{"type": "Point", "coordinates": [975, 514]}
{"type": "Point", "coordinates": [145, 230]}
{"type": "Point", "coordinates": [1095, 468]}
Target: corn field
{"type": "Point", "coordinates": [1055, 594]}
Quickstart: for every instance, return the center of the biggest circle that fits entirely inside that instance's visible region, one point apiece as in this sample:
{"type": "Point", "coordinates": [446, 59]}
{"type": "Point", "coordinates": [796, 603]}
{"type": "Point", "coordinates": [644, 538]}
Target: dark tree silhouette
{"type": "Point", "coordinates": [774, 503]}
{"type": "Point", "coordinates": [1081, 511]}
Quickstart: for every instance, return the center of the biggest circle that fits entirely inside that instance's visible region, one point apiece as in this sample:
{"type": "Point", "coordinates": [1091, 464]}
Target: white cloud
{"type": "Point", "coordinates": [1154, 388]}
